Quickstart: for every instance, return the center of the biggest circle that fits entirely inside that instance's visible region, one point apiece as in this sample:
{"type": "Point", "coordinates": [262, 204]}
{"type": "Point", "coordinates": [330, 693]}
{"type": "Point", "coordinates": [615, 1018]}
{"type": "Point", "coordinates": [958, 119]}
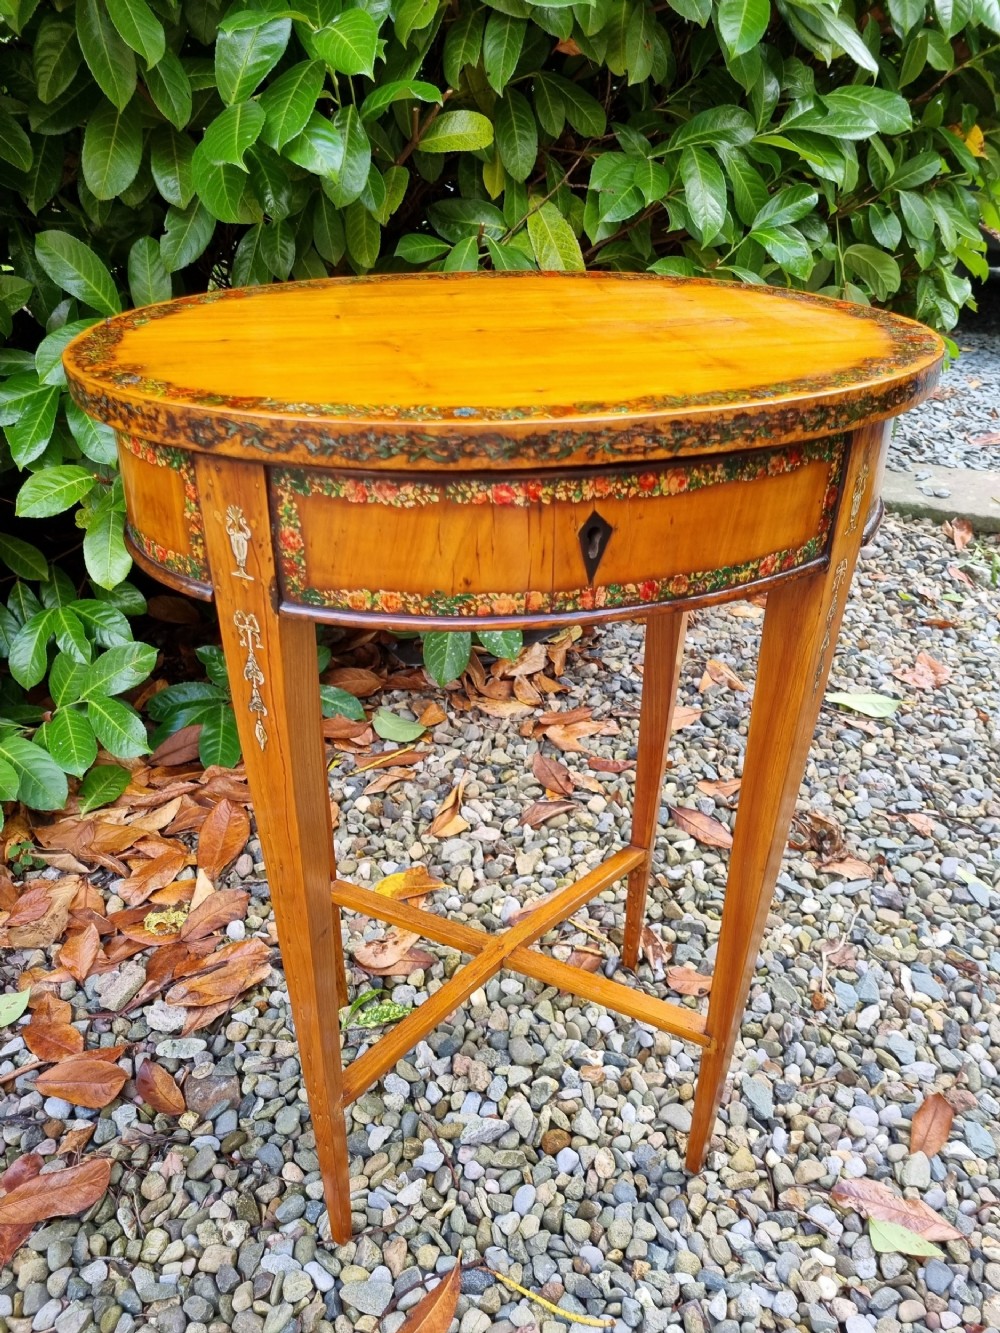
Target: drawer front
{"type": "Point", "coordinates": [452, 546]}
{"type": "Point", "coordinates": [164, 517]}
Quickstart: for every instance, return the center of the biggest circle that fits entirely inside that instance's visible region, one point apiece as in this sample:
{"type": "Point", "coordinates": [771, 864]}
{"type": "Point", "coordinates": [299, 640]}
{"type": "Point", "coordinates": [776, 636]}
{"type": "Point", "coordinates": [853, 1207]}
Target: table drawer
{"type": "Point", "coordinates": [548, 544]}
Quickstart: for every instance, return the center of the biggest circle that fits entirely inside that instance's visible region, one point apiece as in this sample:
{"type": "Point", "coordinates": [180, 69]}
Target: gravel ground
{"type": "Point", "coordinates": [966, 405]}
{"type": "Point", "coordinates": [545, 1136]}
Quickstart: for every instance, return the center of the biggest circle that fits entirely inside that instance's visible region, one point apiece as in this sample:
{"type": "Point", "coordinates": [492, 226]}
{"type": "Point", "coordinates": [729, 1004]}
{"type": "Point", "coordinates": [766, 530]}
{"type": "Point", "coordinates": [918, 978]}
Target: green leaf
{"type": "Point", "coordinates": [463, 43]}
{"type": "Point", "coordinates": [14, 1003]}
{"type": "Point", "coordinates": [74, 266]}
{"type": "Point", "coordinates": [417, 249]}
{"type": "Point", "coordinates": [463, 257]}
{"type": "Point", "coordinates": [413, 16]}
{"type": "Point", "coordinates": [188, 232]}
{"type": "Point", "coordinates": [337, 702]}
{"type": "Point", "coordinates": [891, 1238]}
{"type": "Point", "coordinates": [320, 148]}
{"type": "Point", "coordinates": [290, 100]}
{"type": "Point", "coordinates": [15, 146]}
{"type": "Point", "coordinates": [742, 23]}
{"type": "Point", "coordinates": [170, 155]}
{"type": "Point", "coordinates": [503, 41]}
{"type": "Point", "coordinates": [219, 740]}
{"type": "Point", "coordinates": [878, 108]}
{"type": "Point", "coordinates": [31, 432]}
{"type": "Point", "coordinates": [117, 726]}
{"type": "Point", "coordinates": [640, 40]}
{"type": "Point", "coordinates": [704, 193]}
{"type": "Point", "coordinates": [71, 742]}
{"type": "Point", "coordinates": [398, 91]}
{"type": "Point", "coordinates": [516, 134]}
{"type": "Point", "coordinates": [66, 676]}
{"type": "Point", "coordinates": [96, 441]}
{"type": "Point", "coordinates": [906, 14]}
{"type": "Point", "coordinates": [352, 177]}
{"type": "Point", "coordinates": [392, 727]}
{"type": "Point", "coordinates": [48, 353]}
{"type": "Point", "coordinates": [916, 170]}
{"type": "Point", "coordinates": [787, 247]}
{"type": "Point", "coordinates": [552, 240]}
{"type": "Point", "coordinates": [148, 278]}
{"type": "Point", "coordinates": [871, 705]}
{"type": "Point", "coordinates": [56, 57]}
{"type": "Point", "coordinates": [52, 490]}
{"type": "Point", "coordinates": [722, 126]}
{"type": "Point", "coordinates": [118, 669]}
{"type": "Point", "coordinates": [101, 786]}
{"type": "Point", "coordinates": [112, 150]}
{"type": "Point", "coordinates": [41, 783]}
{"type": "Point", "coordinates": [70, 634]}
{"type": "Point", "coordinates": [139, 28]}
{"type": "Point", "coordinates": [349, 43]}
{"type": "Point", "coordinates": [162, 705]}
{"type": "Point", "coordinates": [23, 559]}
{"type": "Point", "coordinates": [789, 205]}
{"type": "Point", "coordinates": [108, 58]}
{"type": "Point", "coordinates": [456, 132]}
{"type": "Point", "coordinates": [224, 189]}
{"type": "Point", "coordinates": [875, 268]}
{"type": "Point", "coordinates": [446, 654]}
{"type": "Point", "coordinates": [104, 551]}
{"type": "Point", "coordinates": [243, 59]}
{"type": "Point", "coordinates": [509, 258]}
{"type": "Point", "coordinates": [170, 88]}
{"type": "Point", "coordinates": [502, 643]}
{"type": "Point", "coordinates": [232, 132]}
{"type": "Point", "coordinates": [363, 235]}
{"type": "Point", "coordinates": [28, 657]}
{"type": "Point", "coordinates": [584, 112]}
{"type": "Point", "coordinates": [105, 623]}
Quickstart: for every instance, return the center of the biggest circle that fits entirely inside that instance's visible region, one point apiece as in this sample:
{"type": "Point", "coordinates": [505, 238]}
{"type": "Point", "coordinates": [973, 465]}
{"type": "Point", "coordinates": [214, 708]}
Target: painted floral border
{"type": "Point", "coordinates": [292, 561]}
{"type": "Point", "coordinates": [194, 565]}
{"type": "Point", "coordinates": [123, 395]}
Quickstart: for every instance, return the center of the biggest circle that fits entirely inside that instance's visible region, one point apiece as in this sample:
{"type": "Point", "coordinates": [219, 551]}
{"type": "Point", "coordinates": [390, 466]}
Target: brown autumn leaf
{"type": "Point", "coordinates": [717, 673]}
{"type": "Point", "coordinates": [387, 779]}
{"type": "Point", "coordinates": [502, 707]}
{"type": "Point", "coordinates": [152, 875]}
{"type": "Point", "coordinates": [223, 836]}
{"type": "Point", "coordinates": [215, 913]}
{"type": "Point", "coordinates": [587, 960]}
{"type": "Point", "coordinates": [46, 1007]}
{"type": "Point", "coordinates": [56, 1193]}
{"type": "Point", "coordinates": [74, 1139]}
{"type": "Point", "coordinates": [686, 981]}
{"type": "Point", "coordinates": [157, 1088]}
{"type": "Point", "coordinates": [684, 716]}
{"type": "Point", "coordinates": [540, 811]}
{"type": "Point", "coordinates": [720, 789]}
{"type": "Point", "coordinates": [927, 673]}
{"type": "Point", "coordinates": [601, 765]}
{"type": "Point", "coordinates": [655, 951]}
{"type": "Point", "coordinates": [448, 821]}
{"type": "Point", "coordinates": [566, 46]}
{"type": "Point", "coordinates": [79, 954]}
{"type": "Point", "coordinates": [41, 931]}
{"type": "Point", "coordinates": [877, 1200]}
{"type": "Point", "coordinates": [30, 907]}
{"type": "Point", "coordinates": [703, 828]}
{"type": "Point", "coordinates": [355, 680]}
{"type": "Point", "coordinates": [529, 660]}
{"type": "Point", "coordinates": [923, 824]}
{"type": "Point", "coordinates": [554, 776]}
{"type": "Point", "coordinates": [931, 1125]}
{"type": "Point", "coordinates": [433, 715]}
{"type": "Point", "coordinates": [396, 758]}
{"type": "Point", "coordinates": [567, 736]}
{"type": "Point", "coordinates": [415, 882]}
{"type": "Point", "coordinates": [392, 955]}
{"type": "Point", "coordinates": [850, 867]}
{"type": "Point", "coordinates": [960, 532]}
{"type": "Point", "coordinates": [227, 973]}
{"type": "Point", "coordinates": [435, 1312]}
{"type": "Point", "coordinates": [83, 1080]}
{"type": "Point", "coordinates": [23, 1168]}
{"type": "Point", "coordinates": [52, 1041]}
{"type": "Point", "coordinates": [180, 748]}
{"type": "Point", "coordinates": [525, 692]}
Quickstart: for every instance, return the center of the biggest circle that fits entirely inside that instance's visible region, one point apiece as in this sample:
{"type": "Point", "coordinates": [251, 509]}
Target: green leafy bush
{"type": "Point", "coordinates": [154, 147]}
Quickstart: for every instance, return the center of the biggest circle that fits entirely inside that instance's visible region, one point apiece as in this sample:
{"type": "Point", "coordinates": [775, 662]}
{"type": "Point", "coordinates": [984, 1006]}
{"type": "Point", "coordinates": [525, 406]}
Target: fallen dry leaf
{"type": "Point", "coordinates": [215, 913]}
{"type": "Point", "coordinates": [717, 673]}
{"type": "Point", "coordinates": [223, 836]}
{"type": "Point", "coordinates": [877, 1200]}
{"type": "Point", "coordinates": [529, 660]}
{"type": "Point", "coordinates": [703, 828]}
{"type": "Point", "coordinates": [152, 875]}
{"type": "Point", "coordinates": [75, 1139]}
{"type": "Point", "coordinates": [601, 765]}
{"type": "Point", "coordinates": [448, 821]}
{"type": "Point", "coordinates": [960, 532]}
{"type": "Point", "coordinates": [203, 888]}
{"type": "Point", "coordinates": [388, 779]}
{"type": "Point", "coordinates": [56, 1193]}
{"type": "Point", "coordinates": [850, 867]}
{"type": "Point", "coordinates": [684, 716]}
{"type": "Point", "coordinates": [567, 736]}
{"type": "Point", "coordinates": [720, 789]}
{"type": "Point", "coordinates": [227, 973]}
{"type": "Point", "coordinates": [42, 930]}
{"type": "Point", "coordinates": [52, 1041]}
{"type": "Point", "coordinates": [540, 811]}
{"type": "Point", "coordinates": [655, 951]}
{"type": "Point", "coordinates": [180, 748]}
{"type": "Point", "coordinates": [991, 437]}
{"type": "Point", "coordinates": [587, 960]}
{"type": "Point", "coordinates": [392, 955]}
{"type": "Point", "coordinates": [554, 776]}
{"type": "Point", "coordinates": [931, 1125]}
{"type": "Point", "coordinates": [355, 680]}
{"type": "Point", "coordinates": [435, 1312]}
{"type": "Point", "coordinates": [83, 1080]}
{"type": "Point", "coordinates": [79, 954]}
{"type": "Point", "coordinates": [927, 673]}
{"type": "Point", "coordinates": [433, 715]}
{"type": "Point", "coordinates": [416, 882]}
{"type": "Point", "coordinates": [686, 981]}
{"type": "Point", "coordinates": [158, 1089]}
{"type": "Point", "coordinates": [397, 758]}
{"type": "Point", "coordinates": [502, 707]}
{"type": "Point", "coordinates": [923, 824]}
{"type": "Point", "coordinates": [23, 1168]}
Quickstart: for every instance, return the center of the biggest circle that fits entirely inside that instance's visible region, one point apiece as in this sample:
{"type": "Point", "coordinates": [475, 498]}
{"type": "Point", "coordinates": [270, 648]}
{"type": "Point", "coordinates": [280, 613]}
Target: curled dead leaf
{"type": "Point", "coordinates": [875, 1199]}
{"type": "Point", "coordinates": [56, 1193]}
{"type": "Point", "coordinates": [850, 867]}
{"type": "Point", "coordinates": [554, 776]}
{"type": "Point", "coordinates": [52, 1041]}
{"type": "Point", "coordinates": [79, 954]}
{"type": "Point", "coordinates": [215, 913]}
{"type": "Point", "coordinates": [435, 1312]}
{"type": "Point", "coordinates": [960, 532]}
{"type": "Point", "coordinates": [223, 836]}
{"type": "Point", "coordinates": [703, 828]}
{"type": "Point", "coordinates": [927, 673]}
{"type": "Point", "coordinates": [931, 1124]}
{"type": "Point", "coordinates": [448, 822]}
{"type": "Point", "coordinates": [654, 950]}
{"type": "Point", "coordinates": [392, 954]}
{"type": "Point", "coordinates": [684, 716]}
{"type": "Point", "coordinates": [686, 981]}
{"type": "Point", "coordinates": [83, 1080]}
{"type": "Point", "coordinates": [717, 673]}
{"type": "Point", "coordinates": [225, 974]}
{"type": "Point", "coordinates": [540, 811]}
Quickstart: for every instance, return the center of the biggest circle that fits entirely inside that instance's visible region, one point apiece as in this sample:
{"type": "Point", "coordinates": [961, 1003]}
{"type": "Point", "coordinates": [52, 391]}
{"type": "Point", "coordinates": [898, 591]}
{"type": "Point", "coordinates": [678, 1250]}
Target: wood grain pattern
{"type": "Point", "coordinates": [497, 370]}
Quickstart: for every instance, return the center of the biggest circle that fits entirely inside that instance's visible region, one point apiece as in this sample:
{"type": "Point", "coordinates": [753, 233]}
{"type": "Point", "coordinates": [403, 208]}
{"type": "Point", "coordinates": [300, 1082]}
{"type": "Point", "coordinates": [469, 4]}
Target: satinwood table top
{"type": "Point", "coordinates": [495, 370]}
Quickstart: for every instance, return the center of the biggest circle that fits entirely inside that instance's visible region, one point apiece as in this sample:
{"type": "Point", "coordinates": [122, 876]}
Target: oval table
{"type": "Point", "coordinates": [486, 450]}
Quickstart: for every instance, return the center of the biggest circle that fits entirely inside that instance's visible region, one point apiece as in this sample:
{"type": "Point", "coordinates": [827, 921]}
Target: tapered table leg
{"type": "Point", "coordinates": [664, 650]}
{"type": "Point", "coordinates": [800, 634]}
{"type": "Point", "coordinates": [271, 663]}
